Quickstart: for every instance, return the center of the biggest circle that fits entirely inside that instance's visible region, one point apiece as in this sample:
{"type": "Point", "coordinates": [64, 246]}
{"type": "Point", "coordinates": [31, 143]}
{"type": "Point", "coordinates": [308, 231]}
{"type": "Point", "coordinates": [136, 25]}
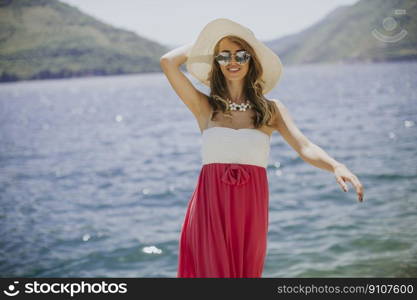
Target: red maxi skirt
{"type": "Point", "coordinates": [225, 228]}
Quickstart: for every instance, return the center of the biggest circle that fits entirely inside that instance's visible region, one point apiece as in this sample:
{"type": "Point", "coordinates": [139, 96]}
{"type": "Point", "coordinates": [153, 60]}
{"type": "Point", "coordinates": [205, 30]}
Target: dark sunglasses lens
{"type": "Point", "coordinates": [223, 58]}
{"type": "Point", "coordinates": [242, 57]}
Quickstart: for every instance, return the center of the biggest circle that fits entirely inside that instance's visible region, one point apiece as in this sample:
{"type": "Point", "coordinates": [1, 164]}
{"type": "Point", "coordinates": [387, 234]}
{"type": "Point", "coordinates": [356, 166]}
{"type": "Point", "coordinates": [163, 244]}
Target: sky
{"type": "Point", "coordinates": [177, 22]}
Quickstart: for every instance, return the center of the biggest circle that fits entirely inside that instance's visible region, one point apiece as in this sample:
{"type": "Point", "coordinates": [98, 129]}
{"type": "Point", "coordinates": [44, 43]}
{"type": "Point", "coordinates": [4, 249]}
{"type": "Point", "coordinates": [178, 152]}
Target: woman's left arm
{"type": "Point", "coordinates": [311, 152]}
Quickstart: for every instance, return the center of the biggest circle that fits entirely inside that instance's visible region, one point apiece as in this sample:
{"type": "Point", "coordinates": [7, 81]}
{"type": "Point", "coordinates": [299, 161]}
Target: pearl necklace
{"type": "Point", "coordinates": [240, 107]}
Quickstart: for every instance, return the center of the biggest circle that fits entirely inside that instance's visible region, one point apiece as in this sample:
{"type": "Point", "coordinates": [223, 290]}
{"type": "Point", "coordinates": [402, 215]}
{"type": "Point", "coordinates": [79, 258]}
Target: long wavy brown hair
{"type": "Point", "coordinates": [252, 89]}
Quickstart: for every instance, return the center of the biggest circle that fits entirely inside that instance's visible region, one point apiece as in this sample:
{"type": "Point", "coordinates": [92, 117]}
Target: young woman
{"type": "Point", "coordinates": [224, 233]}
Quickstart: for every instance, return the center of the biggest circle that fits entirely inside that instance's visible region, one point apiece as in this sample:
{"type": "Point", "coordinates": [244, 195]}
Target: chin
{"type": "Point", "coordinates": [235, 78]}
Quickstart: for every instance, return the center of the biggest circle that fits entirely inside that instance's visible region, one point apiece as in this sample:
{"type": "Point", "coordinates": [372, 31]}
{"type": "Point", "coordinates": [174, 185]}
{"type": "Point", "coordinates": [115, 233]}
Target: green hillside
{"type": "Point", "coordinates": [50, 39]}
{"type": "Point", "coordinates": [348, 34]}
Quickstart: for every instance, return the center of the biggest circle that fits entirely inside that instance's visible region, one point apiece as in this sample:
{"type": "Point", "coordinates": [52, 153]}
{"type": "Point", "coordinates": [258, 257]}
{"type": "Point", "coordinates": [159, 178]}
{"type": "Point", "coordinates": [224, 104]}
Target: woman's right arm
{"type": "Point", "coordinates": [195, 100]}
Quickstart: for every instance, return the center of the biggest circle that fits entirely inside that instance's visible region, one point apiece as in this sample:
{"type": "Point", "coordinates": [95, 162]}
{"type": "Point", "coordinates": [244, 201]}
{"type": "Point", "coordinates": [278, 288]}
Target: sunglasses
{"type": "Point", "coordinates": [224, 58]}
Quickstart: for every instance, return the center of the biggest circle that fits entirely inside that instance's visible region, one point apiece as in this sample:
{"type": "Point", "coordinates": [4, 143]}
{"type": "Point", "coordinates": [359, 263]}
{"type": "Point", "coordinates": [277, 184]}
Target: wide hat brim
{"type": "Point", "coordinates": [200, 56]}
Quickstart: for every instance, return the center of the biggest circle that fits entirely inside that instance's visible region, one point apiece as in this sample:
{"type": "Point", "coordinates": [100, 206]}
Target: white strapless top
{"type": "Point", "coordinates": [228, 145]}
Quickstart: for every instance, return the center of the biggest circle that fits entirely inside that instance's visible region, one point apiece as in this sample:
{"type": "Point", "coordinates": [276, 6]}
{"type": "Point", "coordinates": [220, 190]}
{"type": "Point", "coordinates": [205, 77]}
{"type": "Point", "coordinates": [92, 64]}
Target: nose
{"type": "Point", "coordinates": [233, 61]}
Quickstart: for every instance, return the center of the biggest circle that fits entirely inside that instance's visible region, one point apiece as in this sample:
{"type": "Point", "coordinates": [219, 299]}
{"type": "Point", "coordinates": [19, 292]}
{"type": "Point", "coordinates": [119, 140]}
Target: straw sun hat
{"type": "Point", "coordinates": [200, 56]}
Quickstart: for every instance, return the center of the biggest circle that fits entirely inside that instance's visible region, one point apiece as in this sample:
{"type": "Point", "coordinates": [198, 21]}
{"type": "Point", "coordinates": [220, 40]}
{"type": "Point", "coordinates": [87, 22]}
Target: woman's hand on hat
{"type": "Point", "coordinates": [343, 174]}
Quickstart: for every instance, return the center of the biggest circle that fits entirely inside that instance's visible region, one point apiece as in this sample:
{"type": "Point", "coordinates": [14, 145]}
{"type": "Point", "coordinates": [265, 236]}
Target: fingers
{"type": "Point", "coordinates": [359, 187]}
{"type": "Point", "coordinates": [342, 183]}
{"type": "Point", "coordinates": [355, 182]}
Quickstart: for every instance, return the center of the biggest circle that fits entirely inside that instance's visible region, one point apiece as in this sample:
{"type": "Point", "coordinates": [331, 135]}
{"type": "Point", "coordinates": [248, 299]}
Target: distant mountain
{"type": "Point", "coordinates": [51, 39]}
{"type": "Point", "coordinates": [369, 30]}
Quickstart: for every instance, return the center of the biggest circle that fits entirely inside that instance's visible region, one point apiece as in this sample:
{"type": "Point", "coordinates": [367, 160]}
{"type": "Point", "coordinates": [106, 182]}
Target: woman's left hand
{"type": "Point", "coordinates": [343, 174]}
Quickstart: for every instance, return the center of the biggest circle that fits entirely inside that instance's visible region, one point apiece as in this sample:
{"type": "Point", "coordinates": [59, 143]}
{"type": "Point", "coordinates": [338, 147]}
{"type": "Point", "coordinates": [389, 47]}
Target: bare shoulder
{"type": "Point", "coordinates": [280, 114]}
{"type": "Point", "coordinates": [286, 126]}
{"type": "Point", "coordinates": [277, 102]}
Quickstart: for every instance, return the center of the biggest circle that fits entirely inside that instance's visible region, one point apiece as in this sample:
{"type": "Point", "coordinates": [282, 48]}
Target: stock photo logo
{"type": "Point", "coordinates": [391, 26]}
{"type": "Point", "coordinates": [11, 291]}
{"type": "Point", "coordinates": [66, 288]}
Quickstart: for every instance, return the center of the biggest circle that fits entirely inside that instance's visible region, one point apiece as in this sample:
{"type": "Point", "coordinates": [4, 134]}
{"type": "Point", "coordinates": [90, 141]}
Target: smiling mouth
{"type": "Point", "coordinates": [233, 70]}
